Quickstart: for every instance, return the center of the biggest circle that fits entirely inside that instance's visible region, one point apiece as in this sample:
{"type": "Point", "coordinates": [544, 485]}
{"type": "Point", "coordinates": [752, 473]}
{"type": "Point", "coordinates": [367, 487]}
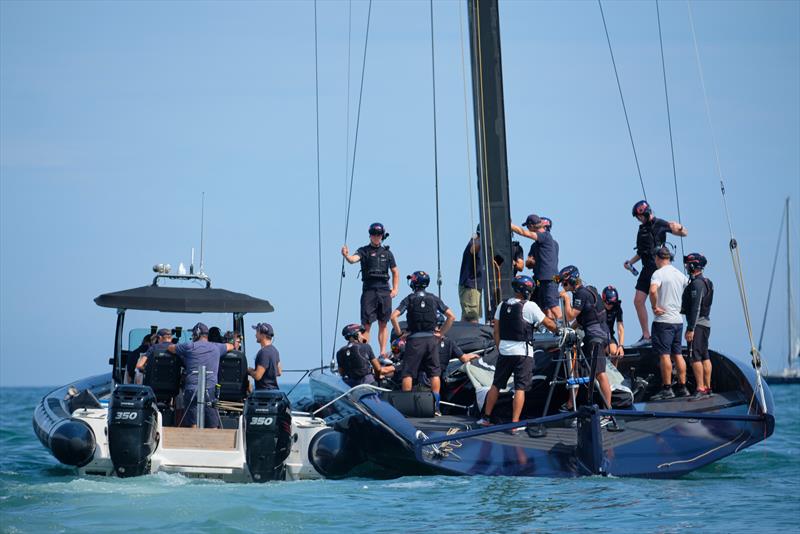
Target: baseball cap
{"type": "Point", "coordinates": [164, 332]}
{"type": "Point", "coordinates": [532, 220]}
{"type": "Point", "coordinates": [264, 328]}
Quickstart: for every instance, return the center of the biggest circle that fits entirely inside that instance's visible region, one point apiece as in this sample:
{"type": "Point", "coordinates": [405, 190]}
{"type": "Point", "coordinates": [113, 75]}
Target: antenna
{"type": "Point", "coordinates": [202, 227]}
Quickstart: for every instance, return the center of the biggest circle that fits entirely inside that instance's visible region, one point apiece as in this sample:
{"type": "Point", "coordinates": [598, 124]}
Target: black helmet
{"type": "Point", "coordinates": [610, 295]}
{"type": "Point", "coordinates": [352, 330]}
{"type": "Point", "coordinates": [418, 280]}
{"type": "Point", "coordinates": [695, 261]}
{"type": "Point", "coordinates": [376, 228]}
{"type": "Point", "coordinates": [569, 274]}
{"type": "Point", "coordinates": [522, 284]}
{"type": "Point", "coordinates": [641, 208]}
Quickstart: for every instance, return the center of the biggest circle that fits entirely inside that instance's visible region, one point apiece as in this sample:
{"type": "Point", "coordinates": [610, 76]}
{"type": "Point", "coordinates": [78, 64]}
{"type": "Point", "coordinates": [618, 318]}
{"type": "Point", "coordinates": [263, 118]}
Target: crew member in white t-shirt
{"type": "Point", "coordinates": [513, 333]}
{"type": "Point", "coordinates": [666, 290]}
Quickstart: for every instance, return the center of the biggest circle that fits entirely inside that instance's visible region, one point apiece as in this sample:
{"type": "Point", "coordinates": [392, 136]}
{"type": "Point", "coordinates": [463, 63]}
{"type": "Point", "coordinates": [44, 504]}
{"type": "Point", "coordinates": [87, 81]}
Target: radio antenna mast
{"type": "Point", "coordinates": [202, 227]}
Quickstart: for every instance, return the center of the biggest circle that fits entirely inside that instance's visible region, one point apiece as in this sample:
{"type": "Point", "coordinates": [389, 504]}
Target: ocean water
{"type": "Point", "coordinates": [759, 488]}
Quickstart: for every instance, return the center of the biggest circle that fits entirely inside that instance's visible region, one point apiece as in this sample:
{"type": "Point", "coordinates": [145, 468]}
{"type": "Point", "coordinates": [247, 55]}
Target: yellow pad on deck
{"type": "Point", "coordinates": [199, 438]}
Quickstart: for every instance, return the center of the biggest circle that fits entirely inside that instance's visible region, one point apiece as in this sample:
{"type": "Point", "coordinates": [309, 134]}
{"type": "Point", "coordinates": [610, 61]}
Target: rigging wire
{"type": "Point", "coordinates": [319, 193]}
{"type": "Point", "coordinates": [733, 245]}
{"type": "Point", "coordinates": [669, 123]}
{"type": "Point", "coordinates": [772, 278]}
{"type": "Point", "coordinates": [622, 99]}
{"type": "Point", "coordinates": [352, 174]}
{"type": "Point", "coordinates": [347, 113]}
{"type": "Point", "coordinates": [436, 162]}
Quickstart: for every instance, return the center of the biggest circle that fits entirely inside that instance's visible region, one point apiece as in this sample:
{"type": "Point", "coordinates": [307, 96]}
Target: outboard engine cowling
{"type": "Point", "coordinates": [268, 434]}
{"type": "Point", "coordinates": [132, 429]}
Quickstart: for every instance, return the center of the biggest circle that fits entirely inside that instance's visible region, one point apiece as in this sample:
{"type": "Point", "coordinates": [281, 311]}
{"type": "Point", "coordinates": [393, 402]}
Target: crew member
{"type": "Point", "coordinates": [666, 289]}
{"type": "Point", "coordinates": [268, 360]}
{"type": "Point", "coordinates": [696, 306]}
{"type": "Point", "coordinates": [357, 363]}
{"type": "Point", "coordinates": [513, 333]}
{"type": "Point", "coordinates": [543, 259]}
{"type": "Point", "coordinates": [422, 349]}
{"type": "Point", "coordinates": [163, 340]}
{"type": "Point", "coordinates": [470, 279]}
{"type": "Point", "coordinates": [195, 353]}
{"type": "Point", "coordinates": [134, 356]}
{"type": "Point", "coordinates": [586, 307]}
{"type": "Point", "coordinates": [448, 350]}
{"type": "Point", "coordinates": [518, 256]}
{"type": "Point", "coordinates": [376, 297]}
{"type": "Point", "coordinates": [651, 236]}
{"type": "Point", "coordinates": [614, 316]}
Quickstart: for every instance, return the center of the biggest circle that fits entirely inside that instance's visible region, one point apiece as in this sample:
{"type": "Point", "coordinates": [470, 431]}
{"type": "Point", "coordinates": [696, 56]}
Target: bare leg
{"type": "Point", "coordinates": [367, 328]}
{"type": "Point", "coordinates": [680, 365]}
{"type": "Point", "coordinates": [605, 387]}
{"type": "Point", "coordinates": [491, 400]}
{"type": "Point", "coordinates": [436, 384]}
{"type": "Point", "coordinates": [519, 402]}
{"type": "Point", "coordinates": [407, 383]}
{"type": "Point", "coordinates": [641, 312]}
{"type": "Point", "coordinates": [666, 370]}
{"type": "Point", "coordinates": [697, 369]}
{"type": "Point", "coordinates": [383, 337]}
{"type": "Point", "coordinates": [707, 373]}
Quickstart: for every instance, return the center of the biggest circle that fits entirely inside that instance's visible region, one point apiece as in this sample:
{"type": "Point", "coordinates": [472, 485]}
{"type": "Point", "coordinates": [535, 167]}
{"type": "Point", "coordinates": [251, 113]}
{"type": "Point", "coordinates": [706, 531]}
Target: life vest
{"type": "Point", "coordinates": [705, 303]}
{"type": "Point", "coordinates": [513, 326]}
{"type": "Point", "coordinates": [355, 364]}
{"type": "Point", "coordinates": [375, 263]}
{"type": "Point", "coordinates": [421, 312]}
{"type": "Point", "coordinates": [649, 240]}
{"type": "Point", "coordinates": [595, 313]}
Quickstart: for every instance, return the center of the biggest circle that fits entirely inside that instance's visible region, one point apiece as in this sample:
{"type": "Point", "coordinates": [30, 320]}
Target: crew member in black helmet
{"type": "Point", "coordinates": [614, 317]}
{"type": "Point", "coordinates": [422, 347]}
{"type": "Point", "coordinates": [543, 259]}
{"type": "Point", "coordinates": [696, 306]}
{"type": "Point", "coordinates": [587, 308]}
{"type": "Point", "coordinates": [357, 363]}
{"type": "Point", "coordinates": [651, 236]}
{"type": "Point", "coordinates": [513, 333]}
{"type": "Point", "coordinates": [376, 297]}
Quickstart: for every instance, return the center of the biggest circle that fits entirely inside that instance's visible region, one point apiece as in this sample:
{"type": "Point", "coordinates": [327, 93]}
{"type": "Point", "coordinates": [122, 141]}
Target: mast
{"type": "Point", "coordinates": [490, 143]}
{"type": "Point", "coordinates": [790, 299]}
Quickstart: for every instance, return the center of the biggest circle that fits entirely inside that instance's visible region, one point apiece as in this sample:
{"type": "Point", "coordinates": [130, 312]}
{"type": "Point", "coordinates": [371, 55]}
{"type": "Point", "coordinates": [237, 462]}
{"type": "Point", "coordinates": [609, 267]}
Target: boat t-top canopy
{"type": "Point", "coordinates": [183, 300]}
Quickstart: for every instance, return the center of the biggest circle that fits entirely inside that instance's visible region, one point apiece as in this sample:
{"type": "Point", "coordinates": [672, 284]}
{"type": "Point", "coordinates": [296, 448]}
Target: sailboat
{"type": "Point", "coordinates": [376, 432]}
{"type": "Point", "coordinates": [790, 373]}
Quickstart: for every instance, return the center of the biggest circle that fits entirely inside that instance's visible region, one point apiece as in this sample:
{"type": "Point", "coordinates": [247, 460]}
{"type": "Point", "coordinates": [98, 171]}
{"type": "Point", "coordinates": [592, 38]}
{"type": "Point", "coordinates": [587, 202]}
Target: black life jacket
{"type": "Point", "coordinates": [513, 326]}
{"type": "Point", "coordinates": [648, 241]}
{"type": "Point", "coordinates": [421, 312]}
{"type": "Point", "coordinates": [595, 313]}
{"type": "Point", "coordinates": [375, 264]}
{"type": "Point", "coordinates": [353, 362]}
{"type": "Point", "coordinates": [705, 304]}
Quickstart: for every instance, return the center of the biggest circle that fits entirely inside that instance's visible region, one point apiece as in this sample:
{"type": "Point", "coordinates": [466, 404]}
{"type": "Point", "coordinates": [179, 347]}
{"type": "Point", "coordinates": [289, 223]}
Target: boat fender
{"type": "Point", "coordinates": [72, 442]}
{"type": "Point", "coordinates": [268, 434]}
{"type": "Point", "coordinates": [333, 454]}
{"type": "Point", "coordinates": [132, 429]}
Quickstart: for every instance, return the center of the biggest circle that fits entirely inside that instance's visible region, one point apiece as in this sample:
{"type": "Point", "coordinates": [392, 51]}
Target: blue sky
{"type": "Point", "coordinates": [114, 117]}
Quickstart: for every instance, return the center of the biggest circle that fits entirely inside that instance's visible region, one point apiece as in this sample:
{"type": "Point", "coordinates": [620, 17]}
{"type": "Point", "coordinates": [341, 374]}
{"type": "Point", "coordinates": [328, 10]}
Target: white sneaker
{"type": "Point", "coordinates": [643, 342]}
{"type": "Point", "coordinates": [483, 422]}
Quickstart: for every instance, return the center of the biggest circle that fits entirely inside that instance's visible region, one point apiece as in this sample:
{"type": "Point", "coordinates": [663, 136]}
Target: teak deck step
{"type": "Point", "coordinates": [199, 438]}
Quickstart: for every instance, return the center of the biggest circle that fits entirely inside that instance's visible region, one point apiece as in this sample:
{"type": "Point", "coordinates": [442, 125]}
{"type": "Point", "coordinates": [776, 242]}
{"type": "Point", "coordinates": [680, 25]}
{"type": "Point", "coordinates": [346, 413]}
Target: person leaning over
{"type": "Point", "coordinates": [614, 317]}
{"type": "Point", "coordinates": [376, 298]}
{"type": "Point", "coordinates": [267, 367]}
{"type": "Point", "coordinates": [696, 306]}
{"type": "Point", "coordinates": [163, 340]}
{"type": "Point", "coordinates": [666, 290]}
{"type": "Point", "coordinates": [356, 362]}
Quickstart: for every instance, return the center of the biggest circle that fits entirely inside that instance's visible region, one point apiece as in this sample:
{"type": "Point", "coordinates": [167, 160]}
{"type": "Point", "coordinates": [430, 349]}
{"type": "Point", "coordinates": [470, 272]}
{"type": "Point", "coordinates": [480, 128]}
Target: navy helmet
{"type": "Point", "coordinates": [610, 295]}
{"type": "Point", "coordinates": [641, 208]}
{"type": "Point", "coordinates": [569, 274]}
{"type": "Point", "coordinates": [418, 280]}
{"type": "Point", "coordinates": [522, 284]}
{"type": "Point", "coordinates": [352, 330]}
{"type": "Point", "coordinates": [377, 228]}
{"type": "Point", "coordinates": [695, 261]}
{"type": "Point", "coordinates": [398, 346]}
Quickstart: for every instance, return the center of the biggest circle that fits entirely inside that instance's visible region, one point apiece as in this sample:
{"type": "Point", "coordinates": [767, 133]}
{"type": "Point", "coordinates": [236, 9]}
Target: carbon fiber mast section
{"type": "Point", "coordinates": [490, 143]}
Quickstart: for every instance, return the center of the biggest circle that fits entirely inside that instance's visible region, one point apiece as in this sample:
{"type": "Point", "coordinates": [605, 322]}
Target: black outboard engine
{"type": "Point", "coordinates": [268, 434]}
{"type": "Point", "coordinates": [132, 429]}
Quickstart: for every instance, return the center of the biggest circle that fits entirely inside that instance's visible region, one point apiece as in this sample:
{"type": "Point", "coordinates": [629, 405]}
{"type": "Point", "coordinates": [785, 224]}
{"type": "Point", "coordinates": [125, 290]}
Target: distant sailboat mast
{"type": "Point", "coordinates": [794, 343]}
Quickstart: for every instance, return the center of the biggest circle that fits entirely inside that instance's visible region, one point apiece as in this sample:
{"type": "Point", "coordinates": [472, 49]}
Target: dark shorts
{"type": "Point", "coordinates": [699, 348]}
{"type": "Point", "coordinates": [367, 379]}
{"type": "Point", "coordinates": [643, 282]}
{"type": "Point", "coordinates": [596, 348]}
{"type": "Point", "coordinates": [546, 295]}
{"type": "Point", "coordinates": [376, 305]}
{"type": "Point", "coordinates": [421, 354]}
{"type": "Point", "coordinates": [190, 413]}
{"type": "Point", "coordinates": [520, 366]}
{"type": "Point", "coordinates": [666, 337]}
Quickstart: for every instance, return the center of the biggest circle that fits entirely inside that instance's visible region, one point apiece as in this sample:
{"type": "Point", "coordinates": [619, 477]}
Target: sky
{"type": "Point", "coordinates": [115, 117]}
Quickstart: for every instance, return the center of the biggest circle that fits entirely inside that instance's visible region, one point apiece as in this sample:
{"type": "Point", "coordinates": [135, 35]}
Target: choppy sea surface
{"type": "Point", "coordinates": [757, 489]}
